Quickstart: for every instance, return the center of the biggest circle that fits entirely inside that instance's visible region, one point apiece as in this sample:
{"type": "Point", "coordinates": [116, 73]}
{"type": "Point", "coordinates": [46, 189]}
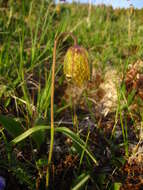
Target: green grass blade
{"type": "Point", "coordinates": [63, 130]}
{"type": "Point", "coordinates": [77, 140]}
{"type": "Point", "coordinates": [81, 181]}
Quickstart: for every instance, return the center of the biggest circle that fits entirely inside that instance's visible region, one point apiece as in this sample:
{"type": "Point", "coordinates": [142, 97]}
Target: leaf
{"type": "Point", "coordinates": [12, 126]}
{"type": "Point", "coordinates": [81, 180]}
{"type": "Point", "coordinates": [116, 186]}
{"type": "Point", "coordinates": [131, 96]}
{"type": "Point", "coordinates": [75, 138]}
{"type": "Point", "coordinates": [39, 136]}
{"type": "Point", "coordinates": [42, 162]}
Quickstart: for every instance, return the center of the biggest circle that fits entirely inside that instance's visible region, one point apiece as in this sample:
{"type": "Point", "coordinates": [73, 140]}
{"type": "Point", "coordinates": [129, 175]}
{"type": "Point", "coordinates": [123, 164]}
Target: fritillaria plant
{"type": "Point", "coordinates": [76, 68]}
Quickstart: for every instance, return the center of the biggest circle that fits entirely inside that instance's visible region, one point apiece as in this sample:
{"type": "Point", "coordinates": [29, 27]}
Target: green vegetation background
{"type": "Point", "coordinates": [27, 32]}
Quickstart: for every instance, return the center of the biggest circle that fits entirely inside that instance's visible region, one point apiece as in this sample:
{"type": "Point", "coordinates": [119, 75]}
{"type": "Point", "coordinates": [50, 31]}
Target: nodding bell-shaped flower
{"type": "Point", "coordinates": [76, 66]}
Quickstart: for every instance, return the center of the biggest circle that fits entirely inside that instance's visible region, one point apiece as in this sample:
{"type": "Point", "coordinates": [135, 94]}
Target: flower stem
{"type": "Point", "coordinates": [52, 99]}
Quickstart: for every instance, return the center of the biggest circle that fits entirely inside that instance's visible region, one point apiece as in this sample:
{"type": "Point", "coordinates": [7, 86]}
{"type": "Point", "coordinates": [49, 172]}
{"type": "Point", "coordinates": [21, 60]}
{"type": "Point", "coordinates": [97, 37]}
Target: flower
{"type": "Point", "coordinates": [2, 183]}
{"type": "Point", "coordinates": [76, 65]}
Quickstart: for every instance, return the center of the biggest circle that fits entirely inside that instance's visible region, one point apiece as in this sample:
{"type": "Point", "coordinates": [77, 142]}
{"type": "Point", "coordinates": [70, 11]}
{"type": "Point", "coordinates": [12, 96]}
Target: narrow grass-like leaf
{"type": "Point", "coordinates": [28, 133]}
{"type": "Point", "coordinates": [39, 137]}
{"type": "Point", "coordinates": [77, 140]}
{"type": "Point", "coordinates": [13, 127]}
{"type": "Point", "coordinates": [82, 155]}
{"type": "Point", "coordinates": [74, 137]}
{"type": "Point", "coordinates": [81, 181]}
